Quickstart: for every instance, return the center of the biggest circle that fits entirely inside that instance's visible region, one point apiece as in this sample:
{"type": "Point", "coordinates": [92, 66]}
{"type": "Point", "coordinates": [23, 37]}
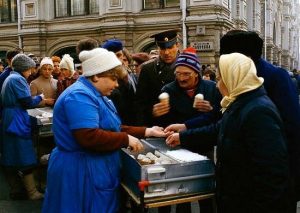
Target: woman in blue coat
{"type": "Point", "coordinates": [17, 151]}
{"type": "Point", "coordinates": [84, 168]}
{"type": "Point", "coordinates": [252, 170]}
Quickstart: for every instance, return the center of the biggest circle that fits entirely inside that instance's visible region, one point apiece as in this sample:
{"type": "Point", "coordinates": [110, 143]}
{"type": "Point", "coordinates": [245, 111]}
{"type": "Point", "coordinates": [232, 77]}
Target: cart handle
{"type": "Point", "coordinates": [143, 184]}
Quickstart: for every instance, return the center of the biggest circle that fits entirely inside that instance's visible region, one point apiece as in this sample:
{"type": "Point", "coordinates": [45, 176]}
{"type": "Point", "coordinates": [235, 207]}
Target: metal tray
{"type": "Point", "coordinates": [42, 124]}
{"type": "Point", "coordinates": [165, 179]}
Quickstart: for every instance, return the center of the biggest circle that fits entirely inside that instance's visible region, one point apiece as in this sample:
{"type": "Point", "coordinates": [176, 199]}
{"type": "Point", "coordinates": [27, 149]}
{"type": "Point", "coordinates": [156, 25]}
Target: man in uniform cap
{"type": "Point", "coordinates": [155, 74]}
{"type": "Point", "coordinates": [165, 39]}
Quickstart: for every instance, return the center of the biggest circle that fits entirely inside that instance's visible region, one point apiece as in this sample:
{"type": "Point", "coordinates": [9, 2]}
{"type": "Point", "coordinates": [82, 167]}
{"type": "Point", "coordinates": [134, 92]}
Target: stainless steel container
{"type": "Point", "coordinates": [173, 178]}
{"type": "Point", "coordinates": [41, 120]}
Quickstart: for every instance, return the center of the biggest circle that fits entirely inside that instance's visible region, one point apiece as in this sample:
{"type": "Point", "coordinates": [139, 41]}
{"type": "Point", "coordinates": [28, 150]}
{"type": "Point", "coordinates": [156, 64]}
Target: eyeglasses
{"type": "Point", "coordinates": [183, 74]}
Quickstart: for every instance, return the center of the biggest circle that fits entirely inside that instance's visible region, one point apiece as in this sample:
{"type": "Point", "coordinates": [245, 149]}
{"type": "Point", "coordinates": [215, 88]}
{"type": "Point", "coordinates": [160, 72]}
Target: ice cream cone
{"type": "Point", "coordinates": [164, 98]}
{"type": "Point", "coordinates": [197, 98]}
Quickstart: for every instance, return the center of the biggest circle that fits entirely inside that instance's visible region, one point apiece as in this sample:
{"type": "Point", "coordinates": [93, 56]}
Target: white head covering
{"type": "Point", "coordinates": [97, 61]}
{"type": "Point", "coordinates": [46, 60]}
{"type": "Point", "coordinates": [238, 73]}
{"type": "Point", "coordinates": [67, 63]}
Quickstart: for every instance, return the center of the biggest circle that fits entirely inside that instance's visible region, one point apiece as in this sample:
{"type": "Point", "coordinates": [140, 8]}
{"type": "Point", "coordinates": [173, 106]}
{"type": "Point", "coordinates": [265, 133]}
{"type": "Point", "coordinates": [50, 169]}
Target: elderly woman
{"type": "Point", "coordinates": [252, 169]}
{"type": "Point", "coordinates": [68, 74]}
{"type": "Point", "coordinates": [83, 170]}
{"type": "Point", "coordinates": [17, 151]}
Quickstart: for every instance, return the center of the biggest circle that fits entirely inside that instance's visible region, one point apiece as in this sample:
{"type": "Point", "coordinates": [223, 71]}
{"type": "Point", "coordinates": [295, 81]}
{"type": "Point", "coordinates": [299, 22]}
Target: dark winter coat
{"type": "Point", "coordinates": [252, 171]}
{"type": "Point", "coordinates": [283, 93]}
{"type": "Point", "coordinates": [154, 75]}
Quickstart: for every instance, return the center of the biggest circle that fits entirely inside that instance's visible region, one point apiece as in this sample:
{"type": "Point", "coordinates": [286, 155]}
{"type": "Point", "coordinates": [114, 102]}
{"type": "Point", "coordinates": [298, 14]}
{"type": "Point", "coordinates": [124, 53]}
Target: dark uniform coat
{"type": "Point", "coordinates": [154, 75]}
{"type": "Point", "coordinates": [252, 171]}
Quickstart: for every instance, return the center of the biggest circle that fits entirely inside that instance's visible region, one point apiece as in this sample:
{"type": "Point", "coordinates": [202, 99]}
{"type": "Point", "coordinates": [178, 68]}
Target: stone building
{"type": "Point", "coordinates": [53, 27]}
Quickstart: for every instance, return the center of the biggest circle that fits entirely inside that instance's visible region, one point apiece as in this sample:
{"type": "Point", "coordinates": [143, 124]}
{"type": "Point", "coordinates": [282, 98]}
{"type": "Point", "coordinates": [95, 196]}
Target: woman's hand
{"type": "Point", "coordinates": [135, 144]}
{"type": "Point", "coordinates": [175, 128]}
{"type": "Point", "coordinates": [155, 131]}
{"type": "Point", "coordinates": [203, 106]}
{"type": "Point", "coordinates": [160, 109]}
{"type": "Point", "coordinates": [173, 140]}
{"type": "Point", "coordinates": [49, 101]}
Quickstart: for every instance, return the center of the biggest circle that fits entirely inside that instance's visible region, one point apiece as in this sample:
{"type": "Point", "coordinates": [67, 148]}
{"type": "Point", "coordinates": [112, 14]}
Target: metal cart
{"type": "Point", "coordinates": [157, 185]}
{"type": "Point", "coordinates": [42, 137]}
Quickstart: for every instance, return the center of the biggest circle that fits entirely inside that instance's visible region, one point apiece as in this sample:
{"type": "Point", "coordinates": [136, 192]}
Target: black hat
{"type": "Point", "coordinates": [165, 39]}
{"type": "Point", "coordinates": [246, 42]}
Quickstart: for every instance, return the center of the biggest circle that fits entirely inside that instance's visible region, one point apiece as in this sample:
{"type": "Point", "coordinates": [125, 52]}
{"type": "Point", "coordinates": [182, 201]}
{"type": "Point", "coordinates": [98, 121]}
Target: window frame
{"type": "Point", "coordinates": [87, 9]}
{"type": "Point", "coordinates": [10, 13]}
{"type": "Point", "coordinates": [162, 4]}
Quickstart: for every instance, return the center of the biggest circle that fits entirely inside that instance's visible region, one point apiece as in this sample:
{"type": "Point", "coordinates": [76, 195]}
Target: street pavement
{"type": "Point", "coordinates": [28, 206]}
{"type": "Point", "coordinates": [12, 206]}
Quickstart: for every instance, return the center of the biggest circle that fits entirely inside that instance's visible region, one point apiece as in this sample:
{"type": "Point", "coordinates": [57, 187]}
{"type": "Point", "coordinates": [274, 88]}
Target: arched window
{"type": "Point", "coordinates": [149, 47]}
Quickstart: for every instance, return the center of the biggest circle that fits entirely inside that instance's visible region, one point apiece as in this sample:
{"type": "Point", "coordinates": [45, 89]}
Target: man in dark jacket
{"type": "Point", "coordinates": [155, 74]}
{"type": "Point", "coordinates": [9, 56]}
{"type": "Point", "coordinates": [182, 93]}
{"type": "Point", "coordinates": [183, 106]}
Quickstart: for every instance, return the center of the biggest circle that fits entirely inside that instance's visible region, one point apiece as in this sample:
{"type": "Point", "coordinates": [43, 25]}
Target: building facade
{"type": "Point", "coordinates": [53, 27]}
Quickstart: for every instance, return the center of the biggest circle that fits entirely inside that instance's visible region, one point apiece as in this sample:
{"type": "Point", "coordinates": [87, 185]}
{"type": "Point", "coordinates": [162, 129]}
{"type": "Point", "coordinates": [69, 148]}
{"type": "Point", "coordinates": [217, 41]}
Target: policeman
{"type": "Point", "coordinates": [155, 74]}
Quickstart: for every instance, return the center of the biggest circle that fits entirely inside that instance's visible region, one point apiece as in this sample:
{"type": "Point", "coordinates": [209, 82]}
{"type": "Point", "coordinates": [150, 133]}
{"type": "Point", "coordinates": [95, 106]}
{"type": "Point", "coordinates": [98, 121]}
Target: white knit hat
{"type": "Point", "coordinates": [67, 63]}
{"type": "Point", "coordinates": [46, 60]}
{"type": "Point", "coordinates": [98, 60]}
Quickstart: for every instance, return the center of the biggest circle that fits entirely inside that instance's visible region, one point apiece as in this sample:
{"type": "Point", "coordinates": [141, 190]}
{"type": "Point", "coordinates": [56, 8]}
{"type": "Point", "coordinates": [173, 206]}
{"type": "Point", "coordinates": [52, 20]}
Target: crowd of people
{"type": "Point", "coordinates": [245, 106]}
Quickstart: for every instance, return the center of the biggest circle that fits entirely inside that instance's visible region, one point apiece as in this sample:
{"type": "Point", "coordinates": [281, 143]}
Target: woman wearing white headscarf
{"type": "Point", "coordinates": [68, 75]}
{"type": "Point", "coordinates": [252, 169]}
